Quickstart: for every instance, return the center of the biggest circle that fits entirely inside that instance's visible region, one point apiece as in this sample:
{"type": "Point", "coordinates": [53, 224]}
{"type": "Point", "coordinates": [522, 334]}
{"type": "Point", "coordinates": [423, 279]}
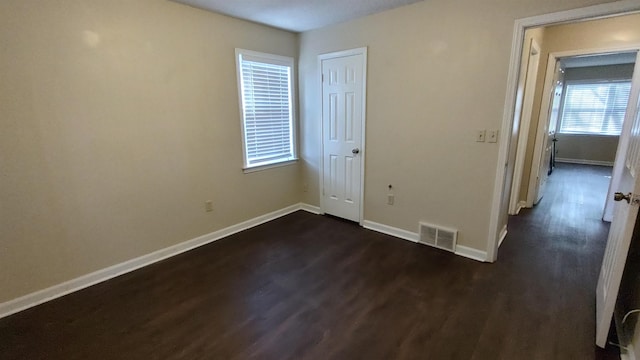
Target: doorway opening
{"type": "Point", "coordinates": [581, 117]}
{"type": "Point", "coordinates": [505, 169]}
{"type": "Point", "coordinates": [560, 113]}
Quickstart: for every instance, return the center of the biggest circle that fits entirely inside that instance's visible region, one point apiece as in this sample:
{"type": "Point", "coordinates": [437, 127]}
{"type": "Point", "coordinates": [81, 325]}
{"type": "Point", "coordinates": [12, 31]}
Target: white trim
{"type": "Point", "coordinates": [586, 13]}
{"type": "Point", "coordinates": [585, 162]}
{"type": "Point", "coordinates": [461, 250]}
{"type": "Point", "coordinates": [36, 298]}
{"type": "Point", "coordinates": [270, 166]}
{"type": "Point", "coordinates": [471, 253]}
{"type": "Point", "coordinates": [542, 130]}
{"type": "Point", "coordinates": [603, 10]}
{"type": "Point", "coordinates": [351, 52]}
{"type": "Point", "coordinates": [526, 113]}
{"type": "Point", "coordinates": [521, 205]}
{"type": "Point", "coordinates": [503, 234]}
{"type": "Point", "coordinates": [503, 152]}
{"type": "Point", "coordinates": [310, 208]}
{"type": "Point", "coordinates": [390, 230]}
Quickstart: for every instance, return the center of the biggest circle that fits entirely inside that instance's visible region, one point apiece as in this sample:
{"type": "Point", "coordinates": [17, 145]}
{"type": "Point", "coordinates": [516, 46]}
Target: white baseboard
{"type": "Point", "coordinates": [56, 291]}
{"type": "Point", "coordinates": [585, 162]}
{"type": "Point", "coordinates": [461, 250]}
{"type": "Point", "coordinates": [390, 230]}
{"type": "Point", "coordinates": [503, 235]}
{"type": "Point", "coordinates": [521, 205]}
{"type": "Point", "coordinates": [310, 208]}
{"type": "Point", "coordinates": [471, 253]}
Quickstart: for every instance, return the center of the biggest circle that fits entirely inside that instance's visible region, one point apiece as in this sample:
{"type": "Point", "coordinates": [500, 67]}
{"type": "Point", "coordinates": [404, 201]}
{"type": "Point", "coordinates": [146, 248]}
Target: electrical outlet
{"type": "Point", "coordinates": [480, 135]}
{"type": "Point", "coordinates": [492, 136]}
{"type": "Point", "coordinates": [390, 199]}
{"type": "Point", "coordinates": [208, 206]}
{"type": "Point", "coordinates": [305, 187]}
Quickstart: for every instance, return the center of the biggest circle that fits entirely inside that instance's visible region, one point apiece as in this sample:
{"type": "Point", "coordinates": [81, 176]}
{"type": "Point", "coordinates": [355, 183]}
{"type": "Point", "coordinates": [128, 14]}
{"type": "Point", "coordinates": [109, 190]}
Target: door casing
{"type": "Point", "coordinates": [542, 131]}
{"type": "Point", "coordinates": [592, 12]}
{"type": "Point", "coordinates": [529, 86]}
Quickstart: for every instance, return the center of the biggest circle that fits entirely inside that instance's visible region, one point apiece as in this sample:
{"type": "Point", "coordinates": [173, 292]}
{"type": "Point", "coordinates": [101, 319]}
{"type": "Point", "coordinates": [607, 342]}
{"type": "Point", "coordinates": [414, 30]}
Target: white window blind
{"type": "Point", "coordinates": [265, 83]}
{"type": "Point", "coordinates": [594, 108]}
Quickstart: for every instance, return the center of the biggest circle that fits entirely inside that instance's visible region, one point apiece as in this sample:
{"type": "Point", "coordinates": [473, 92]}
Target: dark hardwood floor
{"type": "Point", "coordinates": [314, 287]}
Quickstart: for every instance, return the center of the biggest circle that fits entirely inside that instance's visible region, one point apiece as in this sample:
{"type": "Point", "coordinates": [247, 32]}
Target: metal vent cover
{"type": "Point", "coordinates": [438, 236]}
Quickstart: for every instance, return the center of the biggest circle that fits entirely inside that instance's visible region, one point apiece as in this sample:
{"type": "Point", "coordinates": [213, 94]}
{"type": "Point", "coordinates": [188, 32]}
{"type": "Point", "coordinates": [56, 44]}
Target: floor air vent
{"type": "Point", "coordinates": [439, 237]}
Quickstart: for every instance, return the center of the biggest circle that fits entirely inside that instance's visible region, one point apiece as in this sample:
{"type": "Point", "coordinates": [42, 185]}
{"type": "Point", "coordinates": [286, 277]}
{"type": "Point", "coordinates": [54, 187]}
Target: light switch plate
{"type": "Point", "coordinates": [390, 199]}
{"type": "Point", "coordinates": [492, 136]}
{"type": "Point", "coordinates": [480, 135]}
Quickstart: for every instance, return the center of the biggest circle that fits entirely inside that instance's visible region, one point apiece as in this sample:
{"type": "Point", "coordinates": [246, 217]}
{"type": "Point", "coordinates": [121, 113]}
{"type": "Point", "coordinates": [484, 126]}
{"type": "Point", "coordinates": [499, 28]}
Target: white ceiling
{"type": "Point", "coordinates": [297, 15]}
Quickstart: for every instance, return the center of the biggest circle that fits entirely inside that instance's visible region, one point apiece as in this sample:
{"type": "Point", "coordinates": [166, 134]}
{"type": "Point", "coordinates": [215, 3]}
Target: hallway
{"type": "Point", "coordinates": [561, 242]}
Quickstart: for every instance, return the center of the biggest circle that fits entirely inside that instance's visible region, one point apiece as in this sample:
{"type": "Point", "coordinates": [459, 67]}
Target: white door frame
{"type": "Point", "coordinates": [363, 153]}
{"type": "Point", "coordinates": [525, 123]}
{"type": "Point", "coordinates": [591, 12]}
{"type": "Point", "coordinates": [542, 131]}
{"type": "Point", "coordinates": [543, 120]}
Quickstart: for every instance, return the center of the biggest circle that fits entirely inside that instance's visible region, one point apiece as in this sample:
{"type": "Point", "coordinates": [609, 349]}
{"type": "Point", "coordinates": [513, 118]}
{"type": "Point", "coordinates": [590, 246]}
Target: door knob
{"type": "Point", "coordinates": [355, 151]}
{"type": "Point", "coordinates": [620, 196]}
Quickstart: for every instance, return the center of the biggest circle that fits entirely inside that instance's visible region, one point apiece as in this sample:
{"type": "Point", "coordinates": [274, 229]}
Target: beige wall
{"type": "Point", "coordinates": [437, 72]}
{"type": "Point", "coordinates": [612, 32]}
{"type": "Point", "coordinates": [119, 119]}
{"type": "Point", "coordinates": [587, 148]}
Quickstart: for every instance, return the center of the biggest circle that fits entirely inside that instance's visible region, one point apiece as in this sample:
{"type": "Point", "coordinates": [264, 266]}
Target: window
{"type": "Point", "coordinates": [265, 84]}
{"type": "Point", "coordinates": [594, 108]}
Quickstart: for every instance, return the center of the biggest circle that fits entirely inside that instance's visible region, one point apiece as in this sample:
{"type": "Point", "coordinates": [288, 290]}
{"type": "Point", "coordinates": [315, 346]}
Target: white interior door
{"type": "Point", "coordinates": [623, 145]}
{"type": "Point", "coordinates": [343, 99]}
{"type": "Point", "coordinates": [549, 131]}
{"type": "Point", "coordinates": [622, 226]}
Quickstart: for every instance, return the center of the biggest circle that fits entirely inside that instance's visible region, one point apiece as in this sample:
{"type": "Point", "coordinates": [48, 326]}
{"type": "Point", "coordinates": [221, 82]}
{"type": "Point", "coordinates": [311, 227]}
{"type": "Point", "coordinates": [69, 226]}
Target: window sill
{"type": "Point", "coordinates": [269, 166]}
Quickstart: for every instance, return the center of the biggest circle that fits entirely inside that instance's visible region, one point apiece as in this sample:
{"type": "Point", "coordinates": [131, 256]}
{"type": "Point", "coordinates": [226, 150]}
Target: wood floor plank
{"type": "Point", "coordinates": [316, 287]}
